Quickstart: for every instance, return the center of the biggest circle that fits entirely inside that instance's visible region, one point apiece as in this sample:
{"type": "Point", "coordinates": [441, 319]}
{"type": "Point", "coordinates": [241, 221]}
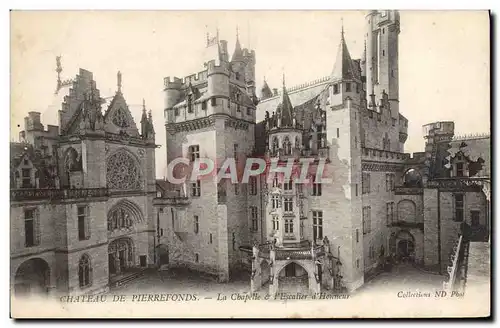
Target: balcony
{"type": "Point", "coordinates": [459, 184]}
{"type": "Point", "coordinates": [408, 191]}
{"type": "Point", "coordinates": [406, 224]}
{"type": "Point", "coordinates": [295, 251]}
{"type": "Point", "coordinates": [57, 194]}
{"type": "Point", "coordinates": [171, 201]}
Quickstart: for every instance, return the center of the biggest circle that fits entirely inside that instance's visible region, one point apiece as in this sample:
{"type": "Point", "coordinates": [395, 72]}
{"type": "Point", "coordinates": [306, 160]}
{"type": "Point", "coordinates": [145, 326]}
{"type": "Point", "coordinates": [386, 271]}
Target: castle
{"type": "Point", "coordinates": [82, 194]}
{"type": "Point", "coordinates": [87, 188]}
{"type": "Point", "coordinates": [382, 202]}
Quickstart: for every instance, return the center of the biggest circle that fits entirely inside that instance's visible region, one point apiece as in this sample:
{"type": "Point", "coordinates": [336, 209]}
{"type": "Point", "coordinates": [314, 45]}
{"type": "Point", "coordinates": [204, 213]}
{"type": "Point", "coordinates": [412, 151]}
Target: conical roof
{"type": "Point", "coordinates": [238, 52]}
{"type": "Point", "coordinates": [343, 68]}
{"type": "Point", "coordinates": [285, 108]}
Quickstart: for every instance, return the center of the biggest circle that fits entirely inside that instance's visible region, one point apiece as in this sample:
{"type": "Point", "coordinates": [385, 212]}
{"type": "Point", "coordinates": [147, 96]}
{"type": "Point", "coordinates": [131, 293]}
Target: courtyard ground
{"type": "Point", "coordinates": [403, 277]}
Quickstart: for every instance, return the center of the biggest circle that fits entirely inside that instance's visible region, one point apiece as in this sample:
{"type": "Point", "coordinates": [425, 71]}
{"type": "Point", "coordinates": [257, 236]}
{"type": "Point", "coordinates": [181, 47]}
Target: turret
{"type": "Point", "coordinates": [172, 89]}
{"type": "Point", "coordinates": [265, 91]}
{"type": "Point", "coordinates": [382, 67]}
{"type": "Point", "coordinates": [345, 79]}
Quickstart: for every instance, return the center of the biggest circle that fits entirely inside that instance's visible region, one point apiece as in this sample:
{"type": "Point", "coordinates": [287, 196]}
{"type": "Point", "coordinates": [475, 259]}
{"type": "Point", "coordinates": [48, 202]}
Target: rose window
{"type": "Point", "coordinates": [123, 172]}
{"type": "Point", "coordinates": [120, 118]}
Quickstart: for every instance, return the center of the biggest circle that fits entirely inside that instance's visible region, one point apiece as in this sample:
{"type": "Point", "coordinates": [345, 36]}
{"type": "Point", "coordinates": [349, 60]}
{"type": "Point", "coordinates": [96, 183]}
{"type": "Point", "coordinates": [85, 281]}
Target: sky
{"type": "Point", "coordinates": [444, 67]}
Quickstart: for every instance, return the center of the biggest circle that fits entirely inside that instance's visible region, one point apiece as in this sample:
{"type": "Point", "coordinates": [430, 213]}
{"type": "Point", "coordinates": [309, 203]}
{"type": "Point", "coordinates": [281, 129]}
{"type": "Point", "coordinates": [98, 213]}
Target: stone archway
{"type": "Point", "coordinates": [121, 256]}
{"type": "Point", "coordinates": [293, 278]}
{"type": "Point", "coordinates": [163, 254]}
{"type": "Point", "coordinates": [405, 246]}
{"type": "Point", "coordinates": [32, 278]}
{"type": "Point", "coordinates": [265, 271]}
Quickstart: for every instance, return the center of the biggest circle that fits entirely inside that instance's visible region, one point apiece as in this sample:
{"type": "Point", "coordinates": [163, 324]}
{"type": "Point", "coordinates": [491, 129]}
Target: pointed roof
{"type": "Point", "coordinates": [265, 91]}
{"type": "Point", "coordinates": [285, 108]}
{"type": "Point", "coordinates": [343, 68]}
{"type": "Point", "coordinates": [238, 52]}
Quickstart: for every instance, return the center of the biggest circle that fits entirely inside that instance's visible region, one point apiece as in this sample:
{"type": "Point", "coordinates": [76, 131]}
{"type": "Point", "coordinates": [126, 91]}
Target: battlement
{"type": "Point", "coordinates": [380, 154]}
{"type": "Point", "coordinates": [177, 83]}
{"type": "Point", "coordinates": [299, 87]}
{"type": "Point", "coordinates": [438, 128]}
{"type": "Point", "coordinates": [382, 17]}
{"type": "Point", "coordinates": [472, 136]}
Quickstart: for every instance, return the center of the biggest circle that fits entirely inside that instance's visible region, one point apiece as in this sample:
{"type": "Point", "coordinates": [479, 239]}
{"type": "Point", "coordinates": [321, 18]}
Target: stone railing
{"type": "Point", "coordinates": [56, 194]}
{"type": "Point", "coordinates": [458, 183]}
{"type": "Point", "coordinates": [408, 191]}
{"type": "Point", "coordinates": [452, 270]}
{"type": "Point", "coordinates": [384, 154]}
{"type": "Point", "coordinates": [172, 201]}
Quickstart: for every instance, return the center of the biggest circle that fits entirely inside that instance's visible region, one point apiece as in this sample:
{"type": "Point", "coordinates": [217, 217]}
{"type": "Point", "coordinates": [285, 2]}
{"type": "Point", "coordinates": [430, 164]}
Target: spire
{"type": "Point", "coordinates": [238, 53]}
{"type": "Point", "coordinates": [285, 108]}
{"type": "Point", "coordinates": [342, 31]}
{"type": "Point", "coordinates": [343, 68]}
{"type": "Point", "coordinates": [144, 119]}
{"type": "Point", "coordinates": [265, 91]}
{"type": "Point", "coordinates": [119, 82]}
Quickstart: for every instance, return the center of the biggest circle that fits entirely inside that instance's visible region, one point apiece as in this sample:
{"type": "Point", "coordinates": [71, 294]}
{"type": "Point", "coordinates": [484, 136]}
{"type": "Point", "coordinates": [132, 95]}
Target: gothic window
{"type": "Point", "coordinates": [190, 103]}
{"type": "Point", "coordinates": [275, 201]}
{"type": "Point", "coordinates": [83, 223]}
{"type": "Point", "coordinates": [317, 225]}
{"type": "Point", "coordinates": [288, 185]}
{"type": "Point", "coordinates": [297, 143]}
{"type": "Point", "coordinates": [26, 178]}
{"type": "Point", "coordinates": [276, 223]}
{"type": "Point", "coordinates": [84, 271]}
{"type": "Point", "coordinates": [253, 186]}
{"type": "Point", "coordinates": [390, 212]}
{"type": "Point", "coordinates": [253, 215]}
{"type": "Point", "coordinates": [71, 161]}
{"type": "Point", "coordinates": [194, 152]}
{"type": "Point", "coordinates": [275, 145]}
{"type": "Point", "coordinates": [196, 189]}
{"type": "Point", "coordinates": [316, 187]}
{"type": "Point", "coordinates": [459, 207]}
{"type": "Point", "coordinates": [196, 224]}
{"type": "Point", "coordinates": [120, 118]}
{"type": "Point", "coordinates": [120, 218]}
{"type": "Point", "coordinates": [289, 228]}
{"type": "Point", "coordinates": [123, 172]}
{"type": "Point", "coordinates": [367, 222]}
{"type": "Point", "coordinates": [31, 228]}
{"type": "Point", "coordinates": [287, 146]}
{"type": "Point", "coordinates": [365, 183]}
{"type": "Point", "coordinates": [288, 204]}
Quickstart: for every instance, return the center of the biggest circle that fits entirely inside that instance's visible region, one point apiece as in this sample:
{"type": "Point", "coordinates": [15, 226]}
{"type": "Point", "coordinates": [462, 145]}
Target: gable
{"type": "Point", "coordinates": [118, 118]}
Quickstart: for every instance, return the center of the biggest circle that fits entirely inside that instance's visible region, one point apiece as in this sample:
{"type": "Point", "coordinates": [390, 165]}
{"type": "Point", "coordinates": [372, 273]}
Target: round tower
{"type": "Point", "coordinates": [218, 80]}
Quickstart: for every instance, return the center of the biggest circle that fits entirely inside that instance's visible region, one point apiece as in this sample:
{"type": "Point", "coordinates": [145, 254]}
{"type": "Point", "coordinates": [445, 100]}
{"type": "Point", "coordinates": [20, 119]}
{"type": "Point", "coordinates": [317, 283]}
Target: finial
{"type": "Point", "coordinates": [143, 104]}
{"type": "Point", "coordinates": [237, 33]}
{"type": "Point", "coordinates": [283, 80]}
{"type": "Point", "coordinates": [342, 30]}
{"type": "Point", "coordinates": [119, 81]}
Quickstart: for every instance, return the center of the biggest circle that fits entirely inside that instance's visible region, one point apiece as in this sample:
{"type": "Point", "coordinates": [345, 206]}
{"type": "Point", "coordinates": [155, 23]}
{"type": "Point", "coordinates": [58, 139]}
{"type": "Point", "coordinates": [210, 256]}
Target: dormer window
{"type": "Point", "coordinates": [26, 161]}
{"type": "Point", "coordinates": [26, 178]}
{"type": "Point", "coordinates": [460, 169]}
{"type": "Point", "coordinates": [460, 166]}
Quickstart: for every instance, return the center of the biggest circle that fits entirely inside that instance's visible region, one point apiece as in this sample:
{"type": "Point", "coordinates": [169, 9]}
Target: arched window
{"type": "Point", "coordinates": [412, 178]}
{"type": "Point", "coordinates": [71, 160]}
{"type": "Point", "coordinates": [287, 146]}
{"type": "Point", "coordinates": [85, 271]}
{"type": "Point", "coordinates": [123, 172]}
{"type": "Point", "coordinates": [275, 145]}
{"type": "Point", "coordinates": [297, 143]}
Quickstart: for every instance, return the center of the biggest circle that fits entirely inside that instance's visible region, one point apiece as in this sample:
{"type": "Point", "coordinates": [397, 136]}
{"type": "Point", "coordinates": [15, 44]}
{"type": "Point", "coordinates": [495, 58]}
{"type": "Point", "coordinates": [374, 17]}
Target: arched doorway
{"type": "Point", "coordinates": [405, 246]}
{"type": "Point", "coordinates": [32, 278]}
{"type": "Point", "coordinates": [293, 278]}
{"type": "Point", "coordinates": [121, 256]}
{"type": "Point", "coordinates": [163, 257]}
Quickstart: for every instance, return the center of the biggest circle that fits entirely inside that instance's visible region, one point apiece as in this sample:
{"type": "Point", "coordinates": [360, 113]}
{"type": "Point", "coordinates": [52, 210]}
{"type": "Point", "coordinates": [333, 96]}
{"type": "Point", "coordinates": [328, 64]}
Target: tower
{"type": "Point", "coordinates": [211, 115]}
{"type": "Point", "coordinates": [382, 71]}
{"type": "Point", "coordinates": [343, 137]}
